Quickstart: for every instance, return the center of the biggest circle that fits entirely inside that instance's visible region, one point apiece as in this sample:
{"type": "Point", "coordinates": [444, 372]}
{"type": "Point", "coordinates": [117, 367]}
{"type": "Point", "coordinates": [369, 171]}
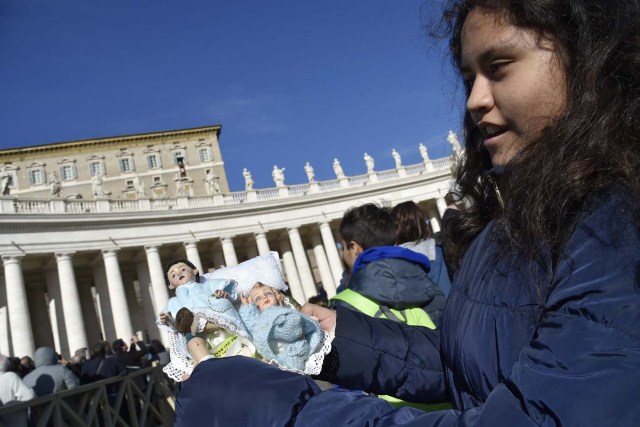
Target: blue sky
{"type": "Point", "coordinates": [289, 81]}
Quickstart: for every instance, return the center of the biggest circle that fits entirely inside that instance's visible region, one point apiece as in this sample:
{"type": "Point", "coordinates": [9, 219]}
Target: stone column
{"type": "Point", "coordinates": [119, 305]}
{"type": "Point", "coordinates": [18, 308]}
{"type": "Point", "coordinates": [159, 288]}
{"type": "Point", "coordinates": [334, 257]}
{"type": "Point", "coordinates": [291, 271]}
{"type": "Point", "coordinates": [89, 313]}
{"type": "Point", "coordinates": [150, 310]}
{"type": "Point", "coordinates": [262, 243]}
{"type": "Point", "coordinates": [306, 278]}
{"type": "Point", "coordinates": [442, 206]}
{"type": "Point", "coordinates": [5, 346]}
{"type": "Point", "coordinates": [71, 304]}
{"type": "Point", "coordinates": [103, 302]}
{"type": "Point", "coordinates": [433, 220]}
{"type": "Point", "coordinates": [191, 249]}
{"type": "Point", "coordinates": [323, 266]}
{"type": "Point", "coordinates": [56, 314]}
{"type": "Point", "coordinates": [229, 251]}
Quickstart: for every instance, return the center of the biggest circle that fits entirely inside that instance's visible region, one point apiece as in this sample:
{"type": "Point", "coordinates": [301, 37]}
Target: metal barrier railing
{"type": "Point", "coordinates": [143, 398]}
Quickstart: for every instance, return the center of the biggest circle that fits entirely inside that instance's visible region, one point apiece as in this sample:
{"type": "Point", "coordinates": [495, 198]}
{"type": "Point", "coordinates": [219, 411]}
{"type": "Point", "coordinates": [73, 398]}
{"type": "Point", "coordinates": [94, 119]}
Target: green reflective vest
{"type": "Point", "coordinates": [411, 316]}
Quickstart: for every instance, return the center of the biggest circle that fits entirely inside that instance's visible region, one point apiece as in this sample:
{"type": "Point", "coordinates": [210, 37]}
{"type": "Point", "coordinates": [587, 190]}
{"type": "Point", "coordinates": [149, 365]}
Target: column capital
{"type": "Point", "coordinates": [151, 248]}
{"type": "Point", "coordinates": [12, 259]}
{"type": "Point", "coordinates": [191, 244]}
{"type": "Point", "coordinates": [109, 252]}
{"type": "Point", "coordinates": [226, 240]}
{"type": "Point", "coordinates": [64, 255]}
{"type": "Point", "coordinates": [325, 223]}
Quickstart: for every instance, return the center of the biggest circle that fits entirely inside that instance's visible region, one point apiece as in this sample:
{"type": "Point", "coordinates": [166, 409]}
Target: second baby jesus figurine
{"type": "Point", "coordinates": [238, 310]}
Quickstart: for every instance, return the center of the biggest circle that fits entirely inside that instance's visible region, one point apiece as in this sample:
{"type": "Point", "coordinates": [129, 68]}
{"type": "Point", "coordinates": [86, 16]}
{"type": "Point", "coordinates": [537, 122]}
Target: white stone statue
{"type": "Point", "coordinates": [368, 160]}
{"type": "Point", "coordinates": [212, 182]}
{"type": "Point", "coordinates": [96, 186]}
{"type": "Point", "coordinates": [139, 186]}
{"type": "Point", "coordinates": [278, 176]}
{"type": "Point", "coordinates": [5, 182]}
{"type": "Point", "coordinates": [455, 145]}
{"type": "Point", "coordinates": [309, 171]}
{"type": "Point", "coordinates": [54, 184]}
{"type": "Point", "coordinates": [248, 180]}
{"type": "Point", "coordinates": [423, 153]}
{"type": "Point", "coordinates": [180, 189]}
{"type": "Point", "coordinates": [396, 158]}
{"type": "Point", "coordinates": [337, 168]}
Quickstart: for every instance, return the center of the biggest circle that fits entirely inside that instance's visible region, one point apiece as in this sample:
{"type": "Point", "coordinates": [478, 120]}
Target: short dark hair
{"type": "Point", "coordinates": [368, 225]}
{"type": "Point", "coordinates": [411, 223]}
{"type": "Point", "coordinates": [117, 344]}
{"type": "Point", "coordinates": [98, 349]}
{"type": "Point", "coordinates": [175, 261]}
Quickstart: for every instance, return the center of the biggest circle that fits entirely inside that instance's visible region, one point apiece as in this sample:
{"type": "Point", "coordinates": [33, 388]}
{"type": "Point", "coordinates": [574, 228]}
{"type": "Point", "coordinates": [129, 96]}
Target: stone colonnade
{"type": "Point", "coordinates": [125, 293]}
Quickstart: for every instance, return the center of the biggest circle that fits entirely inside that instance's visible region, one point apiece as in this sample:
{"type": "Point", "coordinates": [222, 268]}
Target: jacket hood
{"type": "Point", "coordinates": [425, 247]}
{"type": "Point", "coordinates": [385, 252]}
{"type": "Point", "coordinates": [45, 356]}
{"type": "Point", "coordinates": [395, 282]}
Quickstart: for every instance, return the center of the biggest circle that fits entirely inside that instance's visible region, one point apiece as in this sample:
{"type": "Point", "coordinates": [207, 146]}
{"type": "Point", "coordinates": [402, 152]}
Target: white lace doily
{"type": "Point", "coordinates": [313, 366]}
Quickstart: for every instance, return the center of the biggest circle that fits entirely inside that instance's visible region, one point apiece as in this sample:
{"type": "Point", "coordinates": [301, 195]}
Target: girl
{"type": "Point", "coordinates": [542, 325]}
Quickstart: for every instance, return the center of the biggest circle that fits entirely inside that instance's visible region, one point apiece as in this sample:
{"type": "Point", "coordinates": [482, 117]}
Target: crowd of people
{"type": "Point", "coordinates": [22, 379]}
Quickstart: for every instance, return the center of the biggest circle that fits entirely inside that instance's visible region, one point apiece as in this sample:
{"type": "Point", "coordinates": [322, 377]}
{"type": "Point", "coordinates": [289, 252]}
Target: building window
{"type": "Point", "coordinates": [96, 167]}
{"type": "Point", "coordinates": [126, 164]}
{"type": "Point", "coordinates": [67, 172]}
{"type": "Point", "coordinates": [153, 161]}
{"type": "Point", "coordinates": [36, 176]}
{"type": "Point", "coordinates": [205, 154]}
{"type": "Point", "coordinates": [129, 183]}
{"type": "Point", "coordinates": [157, 180]}
{"type": "Point", "coordinates": [179, 154]}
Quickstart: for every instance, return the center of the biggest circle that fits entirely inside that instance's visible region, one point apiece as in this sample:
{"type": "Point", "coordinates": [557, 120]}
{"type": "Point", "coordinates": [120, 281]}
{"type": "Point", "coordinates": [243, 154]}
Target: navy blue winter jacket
{"type": "Point", "coordinates": [397, 278]}
{"type": "Point", "coordinates": [520, 345]}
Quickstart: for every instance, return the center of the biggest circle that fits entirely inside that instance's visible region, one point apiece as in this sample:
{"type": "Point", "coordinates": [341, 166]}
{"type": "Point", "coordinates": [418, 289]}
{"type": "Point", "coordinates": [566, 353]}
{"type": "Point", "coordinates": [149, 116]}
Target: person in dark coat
{"type": "Point", "coordinates": [413, 232]}
{"type": "Point", "coordinates": [391, 276]}
{"type": "Point", "coordinates": [131, 356]}
{"type": "Point", "coordinates": [542, 324]}
{"type": "Point", "coordinates": [100, 366]}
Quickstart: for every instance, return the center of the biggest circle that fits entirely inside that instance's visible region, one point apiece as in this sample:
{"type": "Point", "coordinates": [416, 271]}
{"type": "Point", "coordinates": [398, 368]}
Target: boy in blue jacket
{"type": "Point", "coordinates": [391, 277]}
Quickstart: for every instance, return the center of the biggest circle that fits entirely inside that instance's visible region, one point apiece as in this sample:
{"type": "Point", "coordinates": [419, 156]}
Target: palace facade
{"type": "Point", "coordinates": [83, 252]}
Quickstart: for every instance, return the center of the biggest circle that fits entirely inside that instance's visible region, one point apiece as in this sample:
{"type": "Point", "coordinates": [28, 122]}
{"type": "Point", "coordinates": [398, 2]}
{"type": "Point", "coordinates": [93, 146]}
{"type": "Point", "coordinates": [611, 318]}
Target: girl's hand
{"type": "Point", "coordinates": [325, 316]}
{"type": "Point", "coordinates": [165, 318]}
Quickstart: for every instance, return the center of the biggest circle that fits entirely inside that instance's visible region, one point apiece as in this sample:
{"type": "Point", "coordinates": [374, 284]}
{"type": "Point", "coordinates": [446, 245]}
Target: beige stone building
{"type": "Point", "coordinates": [157, 165]}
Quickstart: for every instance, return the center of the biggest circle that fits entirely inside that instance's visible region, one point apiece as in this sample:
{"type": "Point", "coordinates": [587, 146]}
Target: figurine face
{"type": "Point", "coordinates": [263, 297]}
{"type": "Point", "coordinates": [181, 273]}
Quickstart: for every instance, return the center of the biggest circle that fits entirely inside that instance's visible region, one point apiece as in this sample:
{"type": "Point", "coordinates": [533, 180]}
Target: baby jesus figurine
{"type": "Point", "coordinates": [264, 319]}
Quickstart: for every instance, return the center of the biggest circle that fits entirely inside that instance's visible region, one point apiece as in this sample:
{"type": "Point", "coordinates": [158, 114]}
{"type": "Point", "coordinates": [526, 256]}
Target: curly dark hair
{"type": "Point", "coordinates": [593, 146]}
{"type": "Point", "coordinates": [175, 261]}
